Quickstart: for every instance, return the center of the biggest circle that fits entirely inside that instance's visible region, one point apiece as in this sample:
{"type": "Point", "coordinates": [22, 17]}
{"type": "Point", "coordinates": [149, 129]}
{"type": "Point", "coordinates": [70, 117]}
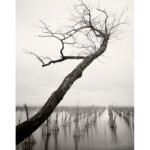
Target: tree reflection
{"type": "Point", "coordinates": [113, 135]}
{"type": "Point", "coordinates": [46, 141]}
{"type": "Point", "coordinates": [28, 143]}
{"type": "Point", "coordinates": [65, 132]}
{"type": "Point", "coordinates": [76, 141]}
{"type": "Point", "coordinates": [55, 134]}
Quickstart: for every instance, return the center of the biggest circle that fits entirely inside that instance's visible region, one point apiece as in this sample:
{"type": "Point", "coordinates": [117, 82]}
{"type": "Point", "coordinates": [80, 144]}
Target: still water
{"type": "Point", "coordinates": [99, 135]}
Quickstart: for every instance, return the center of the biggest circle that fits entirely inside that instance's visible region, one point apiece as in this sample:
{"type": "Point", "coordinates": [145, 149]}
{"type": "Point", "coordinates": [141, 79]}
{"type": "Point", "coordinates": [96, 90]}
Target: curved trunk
{"type": "Point", "coordinates": [26, 128]}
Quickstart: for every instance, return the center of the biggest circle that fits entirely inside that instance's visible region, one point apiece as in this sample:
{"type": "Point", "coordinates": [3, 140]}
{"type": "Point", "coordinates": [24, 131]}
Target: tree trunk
{"type": "Point", "coordinates": [26, 128]}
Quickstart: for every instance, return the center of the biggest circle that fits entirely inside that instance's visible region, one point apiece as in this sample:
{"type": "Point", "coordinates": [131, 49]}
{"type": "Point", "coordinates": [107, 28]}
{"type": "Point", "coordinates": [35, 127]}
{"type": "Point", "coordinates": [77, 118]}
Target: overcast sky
{"type": "Point", "coordinates": [107, 82]}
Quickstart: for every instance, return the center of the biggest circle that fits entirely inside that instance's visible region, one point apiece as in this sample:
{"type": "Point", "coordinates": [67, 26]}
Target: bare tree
{"type": "Point", "coordinates": [90, 30]}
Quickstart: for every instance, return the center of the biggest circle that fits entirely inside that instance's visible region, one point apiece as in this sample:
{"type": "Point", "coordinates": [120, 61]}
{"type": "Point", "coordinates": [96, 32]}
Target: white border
{"type": "Point", "coordinates": [142, 74]}
{"type": "Point", "coordinates": [7, 74]}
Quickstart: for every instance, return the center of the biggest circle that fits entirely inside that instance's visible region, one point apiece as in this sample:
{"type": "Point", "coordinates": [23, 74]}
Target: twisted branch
{"type": "Point", "coordinates": [93, 29]}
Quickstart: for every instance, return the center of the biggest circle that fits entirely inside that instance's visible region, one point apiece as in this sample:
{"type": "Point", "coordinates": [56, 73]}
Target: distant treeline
{"type": "Point", "coordinates": [61, 108]}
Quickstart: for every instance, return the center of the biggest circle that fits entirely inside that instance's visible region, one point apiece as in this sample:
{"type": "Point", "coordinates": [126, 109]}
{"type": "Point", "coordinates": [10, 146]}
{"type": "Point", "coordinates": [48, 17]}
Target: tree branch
{"type": "Point", "coordinates": [44, 64]}
{"type": "Point", "coordinates": [86, 25]}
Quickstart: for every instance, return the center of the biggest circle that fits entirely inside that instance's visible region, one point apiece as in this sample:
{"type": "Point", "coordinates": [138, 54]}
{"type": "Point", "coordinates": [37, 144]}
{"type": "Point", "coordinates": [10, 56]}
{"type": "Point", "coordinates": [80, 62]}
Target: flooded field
{"type": "Point", "coordinates": [81, 128]}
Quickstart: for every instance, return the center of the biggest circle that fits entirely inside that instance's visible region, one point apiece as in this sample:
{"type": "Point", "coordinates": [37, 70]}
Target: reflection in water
{"type": "Point", "coordinates": [46, 129]}
{"type": "Point", "coordinates": [87, 127]}
{"type": "Point", "coordinates": [132, 123]}
{"type": "Point", "coordinates": [46, 141]}
{"type": "Point", "coordinates": [114, 135]}
{"type": "Point", "coordinates": [87, 132]}
{"type": "Point", "coordinates": [127, 120]}
{"type": "Point", "coordinates": [95, 128]}
{"type": "Point", "coordinates": [55, 126]}
{"type": "Point", "coordinates": [69, 129]}
{"type": "Point", "coordinates": [76, 141]}
{"type": "Point", "coordinates": [55, 134]}
{"type": "Point", "coordinates": [28, 143]}
{"type": "Point", "coordinates": [77, 130]}
{"type": "Point", "coordinates": [69, 121]}
{"type": "Point", "coordinates": [105, 133]}
{"type": "Point", "coordinates": [65, 132]}
{"type": "Point", "coordinates": [90, 130]}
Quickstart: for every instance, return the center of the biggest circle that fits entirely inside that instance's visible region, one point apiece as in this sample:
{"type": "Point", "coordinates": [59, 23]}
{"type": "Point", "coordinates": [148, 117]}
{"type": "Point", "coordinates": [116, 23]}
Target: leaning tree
{"type": "Point", "coordinates": [90, 30]}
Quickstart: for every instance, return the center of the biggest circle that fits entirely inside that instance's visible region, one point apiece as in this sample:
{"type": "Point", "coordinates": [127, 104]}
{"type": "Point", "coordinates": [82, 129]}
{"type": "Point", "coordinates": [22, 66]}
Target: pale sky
{"type": "Point", "coordinates": [110, 82]}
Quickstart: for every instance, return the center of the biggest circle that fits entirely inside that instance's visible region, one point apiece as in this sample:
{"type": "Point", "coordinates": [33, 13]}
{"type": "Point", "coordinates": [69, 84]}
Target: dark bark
{"type": "Point", "coordinates": [26, 128]}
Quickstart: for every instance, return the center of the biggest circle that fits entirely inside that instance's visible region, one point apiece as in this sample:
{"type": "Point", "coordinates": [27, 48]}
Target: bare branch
{"type": "Point", "coordinates": [87, 32]}
{"type": "Point", "coordinates": [63, 59]}
{"type": "Point", "coordinates": [50, 61]}
{"type": "Point", "coordinates": [40, 58]}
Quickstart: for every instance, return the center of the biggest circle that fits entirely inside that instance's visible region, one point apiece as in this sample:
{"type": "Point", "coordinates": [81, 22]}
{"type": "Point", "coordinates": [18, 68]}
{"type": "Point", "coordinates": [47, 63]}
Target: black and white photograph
{"type": "Point", "coordinates": [74, 75]}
